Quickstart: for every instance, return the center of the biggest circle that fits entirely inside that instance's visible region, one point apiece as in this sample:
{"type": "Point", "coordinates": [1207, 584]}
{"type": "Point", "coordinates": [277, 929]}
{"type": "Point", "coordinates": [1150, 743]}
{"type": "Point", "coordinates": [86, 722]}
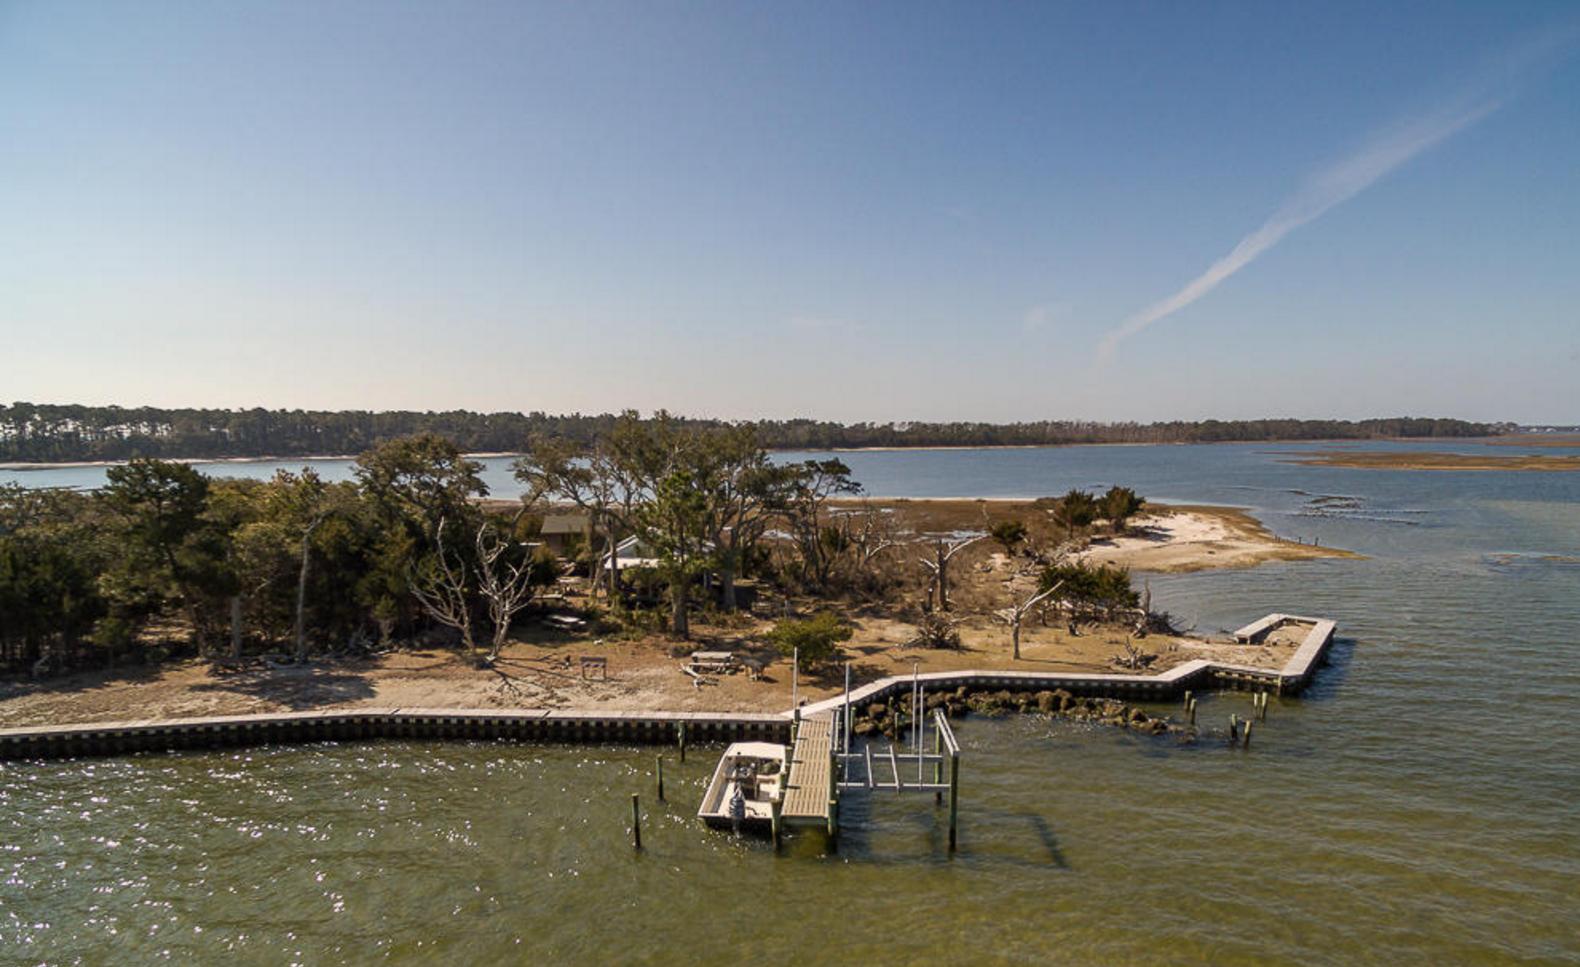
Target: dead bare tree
{"type": "Point", "coordinates": [1013, 615]}
{"type": "Point", "coordinates": [441, 590]}
{"type": "Point", "coordinates": [506, 586]}
{"type": "Point", "coordinates": [870, 532]}
{"type": "Point", "coordinates": [943, 551]}
{"type": "Point", "coordinates": [301, 587]}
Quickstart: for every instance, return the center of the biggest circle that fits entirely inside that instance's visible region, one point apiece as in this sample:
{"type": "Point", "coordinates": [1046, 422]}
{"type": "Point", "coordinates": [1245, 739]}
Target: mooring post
{"type": "Point", "coordinates": [938, 765]}
{"type": "Point", "coordinates": [1193, 711]}
{"type": "Point", "coordinates": [833, 817]}
{"type": "Point", "coordinates": [1187, 698]}
{"type": "Point", "coordinates": [680, 731]}
{"type": "Point", "coordinates": [636, 821]}
{"type": "Point", "coordinates": [1247, 742]}
{"type": "Point", "coordinates": [774, 807]}
{"type": "Point", "coordinates": [1234, 727]}
{"type": "Point", "coordinates": [1262, 712]}
{"type": "Point", "coordinates": [954, 798]}
{"type": "Point", "coordinates": [846, 720]}
{"type": "Point", "coordinates": [660, 778]}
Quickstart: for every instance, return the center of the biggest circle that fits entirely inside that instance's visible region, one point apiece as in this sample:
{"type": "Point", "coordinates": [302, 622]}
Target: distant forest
{"type": "Point", "coordinates": [49, 433]}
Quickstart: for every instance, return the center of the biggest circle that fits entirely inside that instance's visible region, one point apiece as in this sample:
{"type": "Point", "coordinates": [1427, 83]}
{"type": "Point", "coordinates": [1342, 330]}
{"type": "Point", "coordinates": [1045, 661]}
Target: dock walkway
{"type": "Point", "coordinates": [807, 790]}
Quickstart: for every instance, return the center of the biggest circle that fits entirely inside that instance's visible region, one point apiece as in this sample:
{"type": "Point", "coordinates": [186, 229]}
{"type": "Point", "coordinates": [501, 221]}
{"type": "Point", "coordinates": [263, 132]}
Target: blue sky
{"type": "Point", "coordinates": [852, 211]}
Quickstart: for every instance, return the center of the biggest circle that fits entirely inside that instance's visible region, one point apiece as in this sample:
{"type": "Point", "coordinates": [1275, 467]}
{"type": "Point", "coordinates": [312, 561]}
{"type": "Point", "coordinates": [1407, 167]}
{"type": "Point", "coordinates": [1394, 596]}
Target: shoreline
{"type": "Point", "coordinates": [1438, 460]}
{"type": "Point", "coordinates": [24, 465]}
{"type": "Point", "coordinates": [653, 726]}
{"type": "Point", "coordinates": [537, 668]}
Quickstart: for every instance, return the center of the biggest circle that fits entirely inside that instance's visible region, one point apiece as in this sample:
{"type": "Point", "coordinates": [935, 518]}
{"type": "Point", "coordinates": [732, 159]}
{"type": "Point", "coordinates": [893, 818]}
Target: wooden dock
{"type": "Point", "coordinates": [809, 789]}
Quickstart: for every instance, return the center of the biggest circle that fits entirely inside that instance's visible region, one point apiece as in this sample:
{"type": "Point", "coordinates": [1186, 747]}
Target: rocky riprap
{"type": "Point", "coordinates": [884, 718]}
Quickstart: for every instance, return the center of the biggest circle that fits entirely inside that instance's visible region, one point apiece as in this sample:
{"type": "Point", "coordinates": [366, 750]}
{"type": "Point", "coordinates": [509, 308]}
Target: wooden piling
{"type": "Point", "coordinates": [636, 821]}
{"type": "Point", "coordinates": [660, 778]}
{"type": "Point", "coordinates": [680, 730]}
{"type": "Point", "coordinates": [1193, 711]}
{"type": "Point", "coordinates": [1247, 742]}
{"type": "Point", "coordinates": [1186, 703]}
{"type": "Point", "coordinates": [774, 807]}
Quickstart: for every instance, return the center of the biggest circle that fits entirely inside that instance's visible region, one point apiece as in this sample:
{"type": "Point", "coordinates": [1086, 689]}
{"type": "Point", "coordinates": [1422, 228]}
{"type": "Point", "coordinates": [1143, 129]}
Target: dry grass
{"type": "Point", "coordinates": [1436, 461]}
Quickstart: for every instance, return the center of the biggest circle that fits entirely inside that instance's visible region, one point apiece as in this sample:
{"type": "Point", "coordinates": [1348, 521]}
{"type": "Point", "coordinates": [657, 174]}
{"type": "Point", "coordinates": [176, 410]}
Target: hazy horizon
{"type": "Point", "coordinates": [877, 213]}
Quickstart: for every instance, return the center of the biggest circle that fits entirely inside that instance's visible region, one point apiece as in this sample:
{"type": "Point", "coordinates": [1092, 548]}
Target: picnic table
{"type": "Point", "coordinates": [715, 662]}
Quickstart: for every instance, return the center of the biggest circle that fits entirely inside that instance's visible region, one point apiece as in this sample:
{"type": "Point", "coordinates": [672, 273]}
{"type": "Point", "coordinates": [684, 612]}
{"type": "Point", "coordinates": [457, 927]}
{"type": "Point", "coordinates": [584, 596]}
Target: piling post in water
{"type": "Point", "coordinates": [680, 733]}
{"type": "Point", "coordinates": [954, 798]}
{"type": "Point", "coordinates": [1247, 742]}
{"type": "Point", "coordinates": [849, 719]}
{"type": "Point", "coordinates": [1234, 728]}
{"type": "Point", "coordinates": [1187, 698]}
{"type": "Point", "coordinates": [636, 821]}
{"type": "Point", "coordinates": [774, 807]}
{"type": "Point", "coordinates": [1193, 711]}
{"type": "Point", "coordinates": [938, 766]}
{"type": "Point", "coordinates": [660, 778]}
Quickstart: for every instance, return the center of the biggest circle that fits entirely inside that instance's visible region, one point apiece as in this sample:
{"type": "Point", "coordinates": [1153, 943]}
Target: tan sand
{"type": "Point", "coordinates": [539, 669]}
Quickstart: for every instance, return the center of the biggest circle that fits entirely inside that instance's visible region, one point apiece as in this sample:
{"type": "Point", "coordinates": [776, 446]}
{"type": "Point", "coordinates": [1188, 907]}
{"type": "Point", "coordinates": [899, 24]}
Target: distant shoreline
{"type": "Point", "coordinates": [26, 465]}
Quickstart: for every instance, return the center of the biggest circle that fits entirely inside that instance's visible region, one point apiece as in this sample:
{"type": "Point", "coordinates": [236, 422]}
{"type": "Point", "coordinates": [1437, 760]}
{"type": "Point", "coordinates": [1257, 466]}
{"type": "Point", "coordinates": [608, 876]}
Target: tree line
{"type": "Point", "coordinates": [166, 559]}
{"type": "Point", "coordinates": [62, 433]}
{"type": "Point", "coordinates": [164, 555]}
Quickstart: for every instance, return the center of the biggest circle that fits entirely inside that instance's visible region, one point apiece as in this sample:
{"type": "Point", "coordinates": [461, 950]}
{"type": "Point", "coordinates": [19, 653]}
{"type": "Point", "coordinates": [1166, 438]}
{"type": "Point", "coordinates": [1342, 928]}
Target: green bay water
{"type": "Point", "coordinates": [1417, 805]}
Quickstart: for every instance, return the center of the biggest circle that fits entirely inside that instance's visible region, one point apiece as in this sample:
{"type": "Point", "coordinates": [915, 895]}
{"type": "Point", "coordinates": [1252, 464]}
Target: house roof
{"type": "Point", "coordinates": [564, 524]}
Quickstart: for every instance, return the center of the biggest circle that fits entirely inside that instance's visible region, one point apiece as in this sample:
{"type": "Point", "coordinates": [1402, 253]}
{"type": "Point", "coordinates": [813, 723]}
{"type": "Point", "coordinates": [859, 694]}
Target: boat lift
{"type": "Point", "coordinates": [907, 768]}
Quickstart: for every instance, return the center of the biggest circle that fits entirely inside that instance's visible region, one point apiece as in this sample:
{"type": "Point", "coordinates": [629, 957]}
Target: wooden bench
{"type": "Point", "coordinates": [598, 662]}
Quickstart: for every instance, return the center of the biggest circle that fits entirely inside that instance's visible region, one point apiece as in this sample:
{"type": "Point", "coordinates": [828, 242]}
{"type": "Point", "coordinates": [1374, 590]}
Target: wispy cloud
{"type": "Point", "coordinates": [1041, 316]}
{"type": "Point", "coordinates": [1329, 188]}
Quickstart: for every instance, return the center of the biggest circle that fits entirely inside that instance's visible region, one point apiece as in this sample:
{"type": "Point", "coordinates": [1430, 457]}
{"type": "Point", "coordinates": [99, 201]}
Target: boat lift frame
{"type": "Point", "coordinates": [865, 771]}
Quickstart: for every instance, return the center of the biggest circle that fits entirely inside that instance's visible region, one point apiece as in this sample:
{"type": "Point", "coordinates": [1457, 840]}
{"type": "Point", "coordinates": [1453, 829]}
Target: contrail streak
{"type": "Point", "coordinates": [1332, 187]}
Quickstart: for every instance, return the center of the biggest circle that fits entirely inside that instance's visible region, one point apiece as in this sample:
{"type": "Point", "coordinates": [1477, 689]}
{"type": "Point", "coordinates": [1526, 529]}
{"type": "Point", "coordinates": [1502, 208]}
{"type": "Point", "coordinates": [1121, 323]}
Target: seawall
{"type": "Point", "coordinates": [543, 725]}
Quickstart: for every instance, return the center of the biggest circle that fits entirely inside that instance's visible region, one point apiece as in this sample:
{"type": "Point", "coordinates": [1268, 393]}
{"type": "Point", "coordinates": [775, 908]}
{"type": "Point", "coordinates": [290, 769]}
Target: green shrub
{"type": "Point", "coordinates": [1105, 588]}
{"type": "Point", "coordinates": [1008, 533]}
{"type": "Point", "coordinates": [815, 639]}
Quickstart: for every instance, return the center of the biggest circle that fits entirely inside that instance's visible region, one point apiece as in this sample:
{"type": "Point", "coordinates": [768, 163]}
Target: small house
{"type": "Point", "coordinates": [565, 534]}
